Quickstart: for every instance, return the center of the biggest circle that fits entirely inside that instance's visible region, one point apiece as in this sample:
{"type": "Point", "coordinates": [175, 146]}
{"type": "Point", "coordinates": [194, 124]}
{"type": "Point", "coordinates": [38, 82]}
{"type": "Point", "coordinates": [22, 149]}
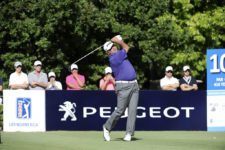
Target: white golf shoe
{"type": "Point", "coordinates": [106, 134]}
{"type": "Point", "coordinates": [127, 137]}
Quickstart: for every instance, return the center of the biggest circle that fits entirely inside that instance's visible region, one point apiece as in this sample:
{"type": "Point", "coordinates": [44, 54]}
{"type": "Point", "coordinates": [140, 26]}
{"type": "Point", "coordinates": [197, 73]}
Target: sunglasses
{"type": "Point", "coordinates": [111, 47]}
{"type": "Point", "coordinates": [19, 67]}
{"type": "Point", "coordinates": [169, 72]}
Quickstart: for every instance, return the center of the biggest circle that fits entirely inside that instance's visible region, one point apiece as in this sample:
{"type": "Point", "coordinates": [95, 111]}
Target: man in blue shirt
{"type": "Point", "coordinates": [127, 89]}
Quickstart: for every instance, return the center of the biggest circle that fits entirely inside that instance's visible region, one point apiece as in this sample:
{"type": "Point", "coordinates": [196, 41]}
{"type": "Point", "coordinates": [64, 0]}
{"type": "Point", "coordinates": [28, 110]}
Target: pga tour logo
{"type": "Point", "coordinates": [23, 108]}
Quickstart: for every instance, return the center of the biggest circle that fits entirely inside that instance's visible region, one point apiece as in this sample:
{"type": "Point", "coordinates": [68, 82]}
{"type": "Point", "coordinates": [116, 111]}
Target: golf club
{"type": "Point", "coordinates": [118, 36]}
{"type": "Point", "coordinates": [87, 54]}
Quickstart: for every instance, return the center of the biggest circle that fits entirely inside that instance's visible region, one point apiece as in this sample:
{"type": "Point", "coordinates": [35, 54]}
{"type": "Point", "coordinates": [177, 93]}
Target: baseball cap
{"type": "Point", "coordinates": [185, 68]}
{"type": "Point", "coordinates": [107, 46]}
{"type": "Point", "coordinates": [108, 70]}
{"type": "Point", "coordinates": [169, 68]}
{"type": "Point", "coordinates": [18, 63]}
{"type": "Point", "coordinates": [37, 63]}
{"type": "Point", "coordinates": [73, 66]}
{"type": "Point", "coordinates": [51, 74]}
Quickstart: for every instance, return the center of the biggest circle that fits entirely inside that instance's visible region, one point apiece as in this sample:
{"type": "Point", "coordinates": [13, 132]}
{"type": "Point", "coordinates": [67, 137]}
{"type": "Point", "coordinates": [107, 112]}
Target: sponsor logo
{"type": "Point", "coordinates": [142, 112]}
{"type": "Point", "coordinates": [69, 110]}
{"type": "Point", "coordinates": [170, 112]}
{"type": "Point", "coordinates": [23, 108]}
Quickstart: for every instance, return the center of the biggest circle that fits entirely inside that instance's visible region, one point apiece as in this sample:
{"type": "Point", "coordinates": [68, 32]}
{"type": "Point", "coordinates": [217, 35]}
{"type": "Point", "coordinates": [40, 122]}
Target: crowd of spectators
{"type": "Point", "coordinates": [39, 80]}
{"type": "Point", "coordinates": [186, 83]}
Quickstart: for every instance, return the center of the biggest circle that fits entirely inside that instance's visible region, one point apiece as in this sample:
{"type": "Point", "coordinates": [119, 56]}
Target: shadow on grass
{"type": "Point", "coordinates": [121, 139]}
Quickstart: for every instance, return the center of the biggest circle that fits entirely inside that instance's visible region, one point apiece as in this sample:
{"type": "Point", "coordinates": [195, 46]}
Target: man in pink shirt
{"type": "Point", "coordinates": [75, 81]}
{"type": "Point", "coordinates": [107, 82]}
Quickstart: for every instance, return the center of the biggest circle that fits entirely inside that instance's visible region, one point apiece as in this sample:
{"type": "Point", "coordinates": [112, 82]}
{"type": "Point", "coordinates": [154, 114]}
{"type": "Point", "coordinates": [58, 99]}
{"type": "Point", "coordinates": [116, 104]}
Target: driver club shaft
{"type": "Point", "coordinates": [88, 54]}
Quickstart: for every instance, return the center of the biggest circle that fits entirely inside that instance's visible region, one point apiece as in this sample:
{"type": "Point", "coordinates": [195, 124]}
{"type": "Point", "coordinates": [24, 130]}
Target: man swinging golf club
{"type": "Point", "coordinates": [127, 89]}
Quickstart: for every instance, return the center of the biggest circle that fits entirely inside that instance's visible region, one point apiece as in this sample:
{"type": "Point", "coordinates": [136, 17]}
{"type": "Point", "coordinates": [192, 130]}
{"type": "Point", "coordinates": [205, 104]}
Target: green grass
{"type": "Point", "coordinates": [92, 140]}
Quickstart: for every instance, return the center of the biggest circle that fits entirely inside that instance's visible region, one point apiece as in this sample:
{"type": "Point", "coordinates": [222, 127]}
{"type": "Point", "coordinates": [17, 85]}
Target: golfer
{"type": "Point", "coordinates": [127, 89]}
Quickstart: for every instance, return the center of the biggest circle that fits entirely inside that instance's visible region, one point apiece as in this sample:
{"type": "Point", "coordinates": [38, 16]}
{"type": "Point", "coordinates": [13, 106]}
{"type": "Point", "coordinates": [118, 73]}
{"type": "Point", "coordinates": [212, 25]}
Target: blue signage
{"type": "Point", "coordinates": [215, 89]}
{"type": "Point", "coordinates": [23, 108]}
{"type": "Point", "coordinates": [157, 110]}
{"type": "Point", "coordinates": [215, 69]}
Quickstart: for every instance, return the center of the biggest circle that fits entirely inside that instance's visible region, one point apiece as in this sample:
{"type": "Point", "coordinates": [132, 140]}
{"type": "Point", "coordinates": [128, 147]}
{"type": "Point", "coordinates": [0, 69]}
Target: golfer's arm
{"type": "Point", "coordinates": [123, 45]}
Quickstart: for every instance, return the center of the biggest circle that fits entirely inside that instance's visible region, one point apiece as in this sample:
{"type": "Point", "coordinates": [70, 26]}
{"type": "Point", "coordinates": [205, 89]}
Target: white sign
{"type": "Point", "coordinates": [215, 89]}
{"type": "Point", "coordinates": [216, 110]}
{"type": "Point", "coordinates": [24, 110]}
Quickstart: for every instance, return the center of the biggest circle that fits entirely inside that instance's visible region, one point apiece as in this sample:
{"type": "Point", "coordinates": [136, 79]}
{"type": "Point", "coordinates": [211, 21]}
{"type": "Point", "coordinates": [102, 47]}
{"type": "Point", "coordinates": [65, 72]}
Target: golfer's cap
{"type": "Point", "coordinates": [17, 64]}
{"type": "Point", "coordinates": [107, 46]}
{"type": "Point", "coordinates": [73, 66]}
{"type": "Point", "coordinates": [51, 74]}
{"type": "Point", "coordinates": [108, 70]}
{"type": "Point", "coordinates": [185, 68]}
{"type": "Point", "coordinates": [169, 68]}
{"type": "Point", "coordinates": [37, 63]}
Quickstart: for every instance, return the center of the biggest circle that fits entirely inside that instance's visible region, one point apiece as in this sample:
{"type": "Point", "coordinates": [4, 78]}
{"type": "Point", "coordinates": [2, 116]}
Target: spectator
{"type": "Point", "coordinates": [75, 81]}
{"type": "Point", "coordinates": [53, 84]}
{"type": "Point", "coordinates": [1, 85]}
{"type": "Point", "coordinates": [18, 79]}
{"type": "Point", "coordinates": [38, 80]}
{"type": "Point", "coordinates": [107, 82]}
{"type": "Point", "coordinates": [188, 83]}
{"type": "Point", "coordinates": [169, 82]}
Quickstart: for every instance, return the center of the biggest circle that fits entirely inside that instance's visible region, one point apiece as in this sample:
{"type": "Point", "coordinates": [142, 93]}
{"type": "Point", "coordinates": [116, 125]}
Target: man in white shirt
{"type": "Point", "coordinates": [169, 83]}
{"type": "Point", "coordinates": [53, 84]}
{"type": "Point", "coordinates": [18, 79]}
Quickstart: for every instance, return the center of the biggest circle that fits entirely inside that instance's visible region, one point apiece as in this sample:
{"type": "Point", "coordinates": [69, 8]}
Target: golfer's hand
{"type": "Point", "coordinates": [115, 39]}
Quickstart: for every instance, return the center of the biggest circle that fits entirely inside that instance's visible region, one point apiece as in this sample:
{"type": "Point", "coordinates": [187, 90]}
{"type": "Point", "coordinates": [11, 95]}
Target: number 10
{"type": "Point", "coordinates": [215, 64]}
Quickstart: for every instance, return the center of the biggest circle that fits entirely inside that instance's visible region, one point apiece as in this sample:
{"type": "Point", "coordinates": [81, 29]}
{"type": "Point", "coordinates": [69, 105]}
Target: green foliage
{"type": "Point", "coordinates": [159, 32]}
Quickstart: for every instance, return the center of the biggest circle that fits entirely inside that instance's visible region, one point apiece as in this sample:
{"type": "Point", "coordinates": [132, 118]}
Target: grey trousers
{"type": "Point", "coordinates": [127, 96]}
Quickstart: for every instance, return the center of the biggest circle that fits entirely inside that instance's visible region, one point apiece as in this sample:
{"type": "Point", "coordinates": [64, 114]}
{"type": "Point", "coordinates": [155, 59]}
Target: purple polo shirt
{"type": "Point", "coordinates": [121, 66]}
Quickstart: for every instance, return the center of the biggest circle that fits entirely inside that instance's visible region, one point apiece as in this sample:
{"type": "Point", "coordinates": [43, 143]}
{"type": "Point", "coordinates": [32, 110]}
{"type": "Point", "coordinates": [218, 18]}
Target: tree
{"type": "Point", "coordinates": [160, 33]}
